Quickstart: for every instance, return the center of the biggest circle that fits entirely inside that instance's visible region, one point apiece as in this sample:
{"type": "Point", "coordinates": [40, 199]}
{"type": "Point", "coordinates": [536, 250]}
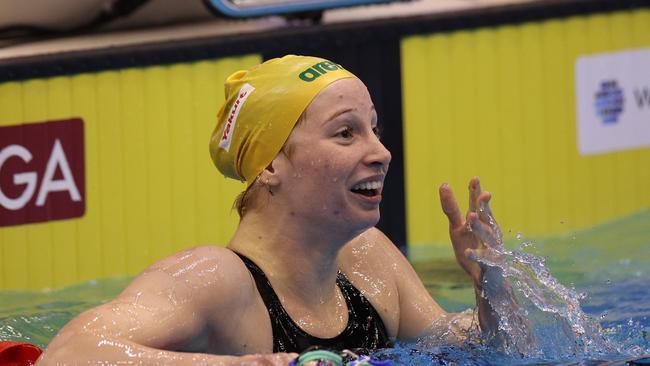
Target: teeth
{"type": "Point", "coordinates": [368, 185]}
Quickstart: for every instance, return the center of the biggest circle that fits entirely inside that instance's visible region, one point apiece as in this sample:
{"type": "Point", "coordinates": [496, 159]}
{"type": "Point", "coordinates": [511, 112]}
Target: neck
{"type": "Point", "coordinates": [299, 258]}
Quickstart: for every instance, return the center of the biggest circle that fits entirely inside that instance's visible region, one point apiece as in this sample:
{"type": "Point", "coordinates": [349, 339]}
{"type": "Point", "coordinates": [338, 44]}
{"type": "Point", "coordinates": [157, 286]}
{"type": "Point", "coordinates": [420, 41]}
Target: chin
{"type": "Point", "coordinates": [366, 221]}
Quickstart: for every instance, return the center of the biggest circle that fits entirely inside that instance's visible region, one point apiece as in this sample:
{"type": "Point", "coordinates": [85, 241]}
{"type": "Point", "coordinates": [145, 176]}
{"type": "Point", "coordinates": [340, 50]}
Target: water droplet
{"type": "Point", "coordinates": [525, 244]}
{"type": "Point", "coordinates": [608, 282]}
{"type": "Point", "coordinates": [335, 179]}
{"type": "Point", "coordinates": [519, 235]}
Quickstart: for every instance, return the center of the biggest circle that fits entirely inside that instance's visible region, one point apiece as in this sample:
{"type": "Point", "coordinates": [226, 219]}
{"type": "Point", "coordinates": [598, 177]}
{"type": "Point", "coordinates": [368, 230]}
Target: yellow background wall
{"type": "Point", "coordinates": [151, 188]}
{"type": "Point", "coordinates": [500, 103]}
{"type": "Point", "coordinates": [496, 102]}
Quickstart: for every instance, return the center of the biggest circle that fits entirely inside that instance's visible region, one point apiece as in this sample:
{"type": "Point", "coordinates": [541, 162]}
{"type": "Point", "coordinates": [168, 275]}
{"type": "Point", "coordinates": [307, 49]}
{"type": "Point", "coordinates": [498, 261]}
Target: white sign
{"type": "Point", "coordinates": [613, 101]}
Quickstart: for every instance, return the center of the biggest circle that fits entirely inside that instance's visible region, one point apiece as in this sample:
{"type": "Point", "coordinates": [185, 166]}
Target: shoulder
{"type": "Point", "coordinates": [204, 274]}
{"type": "Point", "coordinates": [372, 248]}
{"type": "Point", "coordinates": [372, 263]}
{"type": "Point", "coordinates": [200, 258]}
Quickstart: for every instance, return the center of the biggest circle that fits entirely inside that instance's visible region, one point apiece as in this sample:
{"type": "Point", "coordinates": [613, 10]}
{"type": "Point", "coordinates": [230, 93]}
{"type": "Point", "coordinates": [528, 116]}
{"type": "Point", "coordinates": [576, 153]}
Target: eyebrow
{"type": "Point", "coordinates": [344, 111]}
{"type": "Point", "coordinates": [338, 113]}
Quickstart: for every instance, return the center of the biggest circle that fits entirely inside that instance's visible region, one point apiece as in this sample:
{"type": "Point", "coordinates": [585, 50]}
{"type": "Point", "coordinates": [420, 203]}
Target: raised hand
{"type": "Point", "coordinates": [474, 234]}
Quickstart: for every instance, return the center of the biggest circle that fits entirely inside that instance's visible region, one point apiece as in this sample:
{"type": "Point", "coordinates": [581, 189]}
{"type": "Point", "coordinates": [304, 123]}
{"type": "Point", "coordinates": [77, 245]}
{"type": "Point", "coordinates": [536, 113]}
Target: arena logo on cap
{"type": "Point", "coordinates": [42, 172]}
{"type": "Point", "coordinates": [229, 127]}
{"type": "Point", "coordinates": [315, 71]}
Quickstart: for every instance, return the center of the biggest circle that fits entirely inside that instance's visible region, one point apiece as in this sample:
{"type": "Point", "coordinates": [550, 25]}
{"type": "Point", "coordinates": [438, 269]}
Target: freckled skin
{"type": "Point", "coordinates": [201, 306]}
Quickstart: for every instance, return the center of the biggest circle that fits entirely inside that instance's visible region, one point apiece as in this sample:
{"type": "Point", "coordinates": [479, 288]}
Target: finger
{"type": "Point", "coordinates": [487, 216]}
{"type": "Point", "coordinates": [474, 192]}
{"type": "Point", "coordinates": [450, 206]}
{"type": "Point", "coordinates": [483, 231]}
{"type": "Point", "coordinates": [484, 210]}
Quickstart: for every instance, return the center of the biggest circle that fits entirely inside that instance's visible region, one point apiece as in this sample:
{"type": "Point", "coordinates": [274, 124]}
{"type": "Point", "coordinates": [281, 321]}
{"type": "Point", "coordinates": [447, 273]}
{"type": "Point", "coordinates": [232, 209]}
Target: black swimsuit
{"type": "Point", "coordinates": [365, 329]}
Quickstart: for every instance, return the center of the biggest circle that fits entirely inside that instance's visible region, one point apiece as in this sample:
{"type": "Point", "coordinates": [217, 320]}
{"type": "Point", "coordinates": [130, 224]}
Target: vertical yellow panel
{"type": "Point", "coordinates": [534, 124]}
{"type": "Point", "coordinates": [560, 120]}
{"type": "Point", "coordinates": [640, 37]}
{"type": "Point", "coordinates": [136, 180]}
{"type": "Point", "coordinates": [64, 232]}
{"type": "Point", "coordinates": [111, 160]}
{"type": "Point", "coordinates": [84, 104]}
{"type": "Point", "coordinates": [488, 122]}
{"type": "Point", "coordinates": [582, 193]}
{"type": "Point", "coordinates": [14, 244]}
{"type": "Point", "coordinates": [39, 236]}
{"type": "Point", "coordinates": [13, 239]}
{"type": "Point", "coordinates": [208, 96]}
{"type": "Point", "coordinates": [158, 141]}
{"type": "Point", "coordinates": [436, 118]}
{"type": "Point", "coordinates": [602, 165]}
{"type": "Point", "coordinates": [182, 163]}
{"type": "Point", "coordinates": [624, 173]}
{"type": "Point", "coordinates": [417, 131]}
{"type": "Point", "coordinates": [463, 101]}
{"type": "Point", "coordinates": [511, 132]}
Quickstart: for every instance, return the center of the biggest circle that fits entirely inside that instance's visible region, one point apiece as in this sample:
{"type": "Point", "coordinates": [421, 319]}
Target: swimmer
{"type": "Point", "coordinates": [306, 266]}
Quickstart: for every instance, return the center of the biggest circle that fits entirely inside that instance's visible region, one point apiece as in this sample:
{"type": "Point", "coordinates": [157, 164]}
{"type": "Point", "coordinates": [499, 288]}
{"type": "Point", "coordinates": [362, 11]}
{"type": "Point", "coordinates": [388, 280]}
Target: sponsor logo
{"type": "Point", "coordinates": [609, 101]}
{"type": "Point", "coordinates": [42, 176]}
{"type": "Point", "coordinates": [642, 97]}
{"type": "Point", "coordinates": [229, 128]}
{"type": "Point", "coordinates": [613, 101]}
{"type": "Point", "coordinates": [317, 70]}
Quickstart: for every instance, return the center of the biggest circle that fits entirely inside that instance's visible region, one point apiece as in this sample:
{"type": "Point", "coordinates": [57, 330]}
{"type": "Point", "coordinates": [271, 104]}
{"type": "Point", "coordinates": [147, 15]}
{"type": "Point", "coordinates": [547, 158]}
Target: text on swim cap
{"type": "Point", "coordinates": [317, 70]}
{"type": "Point", "coordinates": [229, 127]}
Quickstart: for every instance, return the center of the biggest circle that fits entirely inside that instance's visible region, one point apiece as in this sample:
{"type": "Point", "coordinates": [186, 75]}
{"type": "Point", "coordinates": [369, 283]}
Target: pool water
{"type": "Point", "coordinates": [607, 268]}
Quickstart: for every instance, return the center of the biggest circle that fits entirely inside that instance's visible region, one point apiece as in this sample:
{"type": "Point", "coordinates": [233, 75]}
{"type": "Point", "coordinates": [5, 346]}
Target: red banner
{"type": "Point", "coordinates": [42, 172]}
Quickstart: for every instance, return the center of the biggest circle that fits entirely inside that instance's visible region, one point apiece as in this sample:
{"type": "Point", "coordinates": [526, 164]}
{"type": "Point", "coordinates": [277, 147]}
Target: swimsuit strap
{"type": "Point", "coordinates": [365, 329]}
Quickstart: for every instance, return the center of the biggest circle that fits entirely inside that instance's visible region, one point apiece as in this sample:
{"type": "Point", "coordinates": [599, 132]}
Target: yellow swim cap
{"type": "Point", "coordinates": [262, 106]}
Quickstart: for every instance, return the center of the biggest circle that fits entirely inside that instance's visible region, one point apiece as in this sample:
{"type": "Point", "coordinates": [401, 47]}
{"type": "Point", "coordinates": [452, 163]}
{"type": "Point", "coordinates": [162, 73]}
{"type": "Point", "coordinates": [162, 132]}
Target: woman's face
{"type": "Point", "coordinates": [336, 165]}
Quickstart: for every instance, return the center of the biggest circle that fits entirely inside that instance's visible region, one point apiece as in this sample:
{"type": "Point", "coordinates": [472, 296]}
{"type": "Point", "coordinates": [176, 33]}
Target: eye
{"type": "Point", "coordinates": [346, 133]}
{"type": "Point", "coordinates": [377, 131]}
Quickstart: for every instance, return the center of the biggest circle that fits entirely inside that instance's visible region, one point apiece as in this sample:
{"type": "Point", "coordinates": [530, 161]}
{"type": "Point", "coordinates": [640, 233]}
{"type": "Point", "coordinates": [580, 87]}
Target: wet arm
{"type": "Point", "coordinates": [166, 308]}
{"type": "Point", "coordinates": [420, 316]}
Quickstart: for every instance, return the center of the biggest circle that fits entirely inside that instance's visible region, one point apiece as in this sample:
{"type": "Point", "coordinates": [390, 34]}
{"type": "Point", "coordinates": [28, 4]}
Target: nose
{"type": "Point", "coordinates": [379, 156]}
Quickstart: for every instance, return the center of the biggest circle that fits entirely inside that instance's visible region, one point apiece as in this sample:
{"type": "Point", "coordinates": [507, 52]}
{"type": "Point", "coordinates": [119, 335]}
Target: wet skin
{"type": "Point", "coordinates": [310, 222]}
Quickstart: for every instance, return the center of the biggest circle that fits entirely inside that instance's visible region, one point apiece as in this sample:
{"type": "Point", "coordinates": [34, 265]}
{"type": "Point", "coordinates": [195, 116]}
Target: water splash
{"type": "Point", "coordinates": [540, 321]}
{"type": "Point", "coordinates": [539, 317]}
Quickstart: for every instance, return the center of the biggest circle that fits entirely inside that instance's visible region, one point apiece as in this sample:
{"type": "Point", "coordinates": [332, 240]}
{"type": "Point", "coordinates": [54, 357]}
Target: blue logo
{"type": "Point", "coordinates": [609, 101]}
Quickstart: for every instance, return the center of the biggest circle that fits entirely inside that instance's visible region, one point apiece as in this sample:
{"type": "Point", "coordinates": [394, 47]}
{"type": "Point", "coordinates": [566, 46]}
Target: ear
{"type": "Point", "coordinates": [272, 175]}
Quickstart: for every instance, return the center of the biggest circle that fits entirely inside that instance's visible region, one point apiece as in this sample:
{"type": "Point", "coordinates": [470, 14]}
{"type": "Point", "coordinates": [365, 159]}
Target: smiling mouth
{"type": "Point", "coordinates": [366, 192]}
{"type": "Point", "coordinates": [368, 189]}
